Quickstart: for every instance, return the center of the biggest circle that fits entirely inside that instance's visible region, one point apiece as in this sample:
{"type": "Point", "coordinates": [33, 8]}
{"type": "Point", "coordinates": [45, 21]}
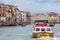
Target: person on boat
{"type": "Point", "coordinates": [42, 24]}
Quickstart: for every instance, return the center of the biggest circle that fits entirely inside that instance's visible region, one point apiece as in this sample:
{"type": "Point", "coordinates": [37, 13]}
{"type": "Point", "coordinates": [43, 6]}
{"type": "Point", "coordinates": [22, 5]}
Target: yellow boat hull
{"type": "Point", "coordinates": [40, 35]}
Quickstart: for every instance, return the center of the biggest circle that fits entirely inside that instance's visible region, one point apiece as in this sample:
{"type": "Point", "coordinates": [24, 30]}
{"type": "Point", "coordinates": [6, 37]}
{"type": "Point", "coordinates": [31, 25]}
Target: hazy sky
{"type": "Point", "coordinates": [35, 6]}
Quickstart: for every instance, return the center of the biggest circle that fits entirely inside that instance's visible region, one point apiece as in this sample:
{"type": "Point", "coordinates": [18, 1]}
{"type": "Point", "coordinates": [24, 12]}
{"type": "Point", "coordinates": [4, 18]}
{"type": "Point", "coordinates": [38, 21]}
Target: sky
{"type": "Point", "coordinates": [35, 6]}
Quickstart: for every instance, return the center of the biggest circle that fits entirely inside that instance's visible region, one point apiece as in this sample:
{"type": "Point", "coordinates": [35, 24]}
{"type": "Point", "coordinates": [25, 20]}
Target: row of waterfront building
{"type": "Point", "coordinates": [52, 17]}
{"type": "Point", "coordinates": [11, 15]}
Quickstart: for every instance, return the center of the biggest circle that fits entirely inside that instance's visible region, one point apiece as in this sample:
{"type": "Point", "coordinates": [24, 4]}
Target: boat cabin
{"type": "Point", "coordinates": [42, 29]}
{"type": "Point", "coordinates": [41, 22]}
{"type": "Point", "coordinates": [39, 32]}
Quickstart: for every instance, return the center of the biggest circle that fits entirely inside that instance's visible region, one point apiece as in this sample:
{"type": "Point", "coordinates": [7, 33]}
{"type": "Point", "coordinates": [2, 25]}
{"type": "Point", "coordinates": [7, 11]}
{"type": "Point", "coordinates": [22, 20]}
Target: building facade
{"type": "Point", "coordinates": [19, 17]}
{"type": "Point", "coordinates": [59, 18]}
{"type": "Point", "coordinates": [8, 14]}
{"type": "Point", "coordinates": [52, 17]}
{"type": "Point", "coordinates": [26, 17]}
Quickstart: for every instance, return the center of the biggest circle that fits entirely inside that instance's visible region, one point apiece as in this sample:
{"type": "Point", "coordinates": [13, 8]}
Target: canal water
{"type": "Point", "coordinates": [23, 33]}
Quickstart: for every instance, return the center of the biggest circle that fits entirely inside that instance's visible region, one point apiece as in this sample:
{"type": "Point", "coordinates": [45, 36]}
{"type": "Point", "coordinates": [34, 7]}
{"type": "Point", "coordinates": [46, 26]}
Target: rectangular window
{"type": "Point", "coordinates": [23, 15]}
{"type": "Point", "coordinates": [0, 14]}
{"type": "Point", "coordinates": [23, 19]}
{"type": "Point", "coordinates": [37, 29]}
{"type": "Point", "coordinates": [42, 29]}
{"type": "Point", "coordinates": [48, 29]}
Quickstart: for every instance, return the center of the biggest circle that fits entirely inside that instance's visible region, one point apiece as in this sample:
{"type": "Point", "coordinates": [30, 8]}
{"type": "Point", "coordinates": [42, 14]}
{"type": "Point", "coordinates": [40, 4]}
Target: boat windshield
{"type": "Point", "coordinates": [37, 29]}
{"type": "Point", "coordinates": [48, 29]}
{"type": "Point", "coordinates": [42, 29]}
